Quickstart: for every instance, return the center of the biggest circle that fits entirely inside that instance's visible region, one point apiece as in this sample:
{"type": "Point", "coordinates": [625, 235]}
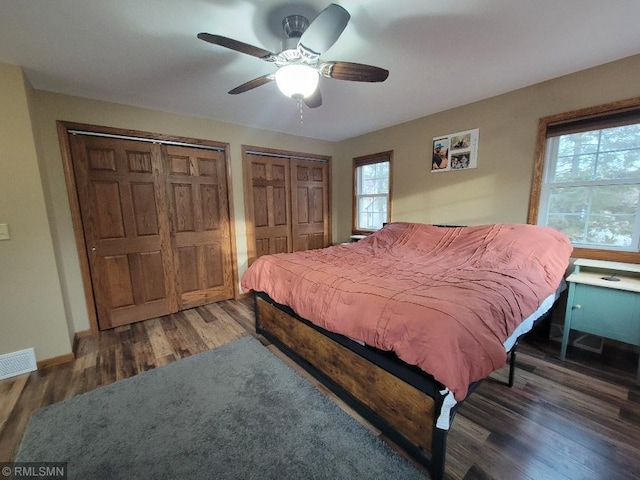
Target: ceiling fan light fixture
{"type": "Point", "coordinates": [297, 81]}
{"type": "Point", "coordinates": [298, 63]}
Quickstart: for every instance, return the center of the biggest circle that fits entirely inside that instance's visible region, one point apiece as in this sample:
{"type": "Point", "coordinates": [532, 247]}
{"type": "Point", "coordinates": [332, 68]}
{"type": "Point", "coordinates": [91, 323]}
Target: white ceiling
{"type": "Point", "coordinates": [440, 54]}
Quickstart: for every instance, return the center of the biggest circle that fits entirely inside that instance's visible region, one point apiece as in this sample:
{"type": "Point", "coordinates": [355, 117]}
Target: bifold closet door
{"type": "Point", "coordinates": [156, 223]}
{"type": "Point", "coordinates": [200, 225]}
{"type": "Point", "coordinates": [121, 192]}
{"type": "Point", "coordinates": [269, 203]}
{"type": "Point", "coordinates": [309, 204]}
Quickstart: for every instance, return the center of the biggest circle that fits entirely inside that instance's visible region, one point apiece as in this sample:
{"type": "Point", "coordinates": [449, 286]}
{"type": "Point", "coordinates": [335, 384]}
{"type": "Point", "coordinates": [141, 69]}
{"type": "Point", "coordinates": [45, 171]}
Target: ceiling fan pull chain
{"type": "Point", "coordinates": [299, 102]}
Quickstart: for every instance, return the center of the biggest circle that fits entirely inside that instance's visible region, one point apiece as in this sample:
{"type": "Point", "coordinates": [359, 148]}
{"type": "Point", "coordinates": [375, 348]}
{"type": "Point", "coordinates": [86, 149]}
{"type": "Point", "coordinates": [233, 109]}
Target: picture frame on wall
{"type": "Point", "coordinates": [455, 151]}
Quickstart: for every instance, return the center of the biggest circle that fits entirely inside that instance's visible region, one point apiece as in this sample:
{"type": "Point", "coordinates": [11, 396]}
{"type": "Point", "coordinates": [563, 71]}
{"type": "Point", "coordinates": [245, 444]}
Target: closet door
{"type": "Point", "coordinates": [268, 179]}
{"type": "Point", "coordinates": [310, 204]}
{"type": "Point", "coordinates": [121, 193]}
{"type": "Point", "coordinates": [200, 225]}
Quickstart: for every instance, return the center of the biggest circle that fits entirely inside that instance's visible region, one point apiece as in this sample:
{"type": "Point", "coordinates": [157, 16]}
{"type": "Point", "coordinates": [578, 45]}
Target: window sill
{"type": "Point", "coordinates": [609, 255]}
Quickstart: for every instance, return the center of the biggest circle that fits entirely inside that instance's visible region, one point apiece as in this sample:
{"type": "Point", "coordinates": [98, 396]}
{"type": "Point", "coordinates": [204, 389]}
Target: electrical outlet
{"type": "Point", "coordinates": [4, 232]}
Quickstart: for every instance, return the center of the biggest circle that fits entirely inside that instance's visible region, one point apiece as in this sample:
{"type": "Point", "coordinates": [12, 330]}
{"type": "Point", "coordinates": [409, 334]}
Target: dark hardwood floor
{"type": "Point", "coordinates": [578, 419]}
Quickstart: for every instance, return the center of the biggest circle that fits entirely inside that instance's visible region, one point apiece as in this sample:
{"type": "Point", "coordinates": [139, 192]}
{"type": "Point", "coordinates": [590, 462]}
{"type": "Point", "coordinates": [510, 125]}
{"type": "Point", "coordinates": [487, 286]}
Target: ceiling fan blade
{"type": "Point", "coordinates": [251, 84]}
{"type": "Point", "coordinates": [315, 100]}
{"type": "Point", "coordinates": [324, 30]}
{"type": "Point", "coordinates": [355, 72]}
{"type": "Point", "coordinates": [237, 46]}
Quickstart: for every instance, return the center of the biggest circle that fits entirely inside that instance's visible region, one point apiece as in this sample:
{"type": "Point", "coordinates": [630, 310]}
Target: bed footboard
{"type": "Point", "coordinates": [401, 402]}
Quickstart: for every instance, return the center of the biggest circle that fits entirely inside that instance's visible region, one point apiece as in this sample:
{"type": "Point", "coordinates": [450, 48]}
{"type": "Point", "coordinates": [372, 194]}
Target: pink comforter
{"type": "Point", "coordinates": [444, 299]}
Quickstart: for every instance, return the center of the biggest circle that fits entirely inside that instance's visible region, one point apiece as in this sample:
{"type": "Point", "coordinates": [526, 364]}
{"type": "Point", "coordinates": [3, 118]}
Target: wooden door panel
{"type": "Point", "coordinates": [120, 191]}
{"type": "Point", "coordinates": [213, 265]}
{"type": "Point", "coordinates": [101, 159]}
{"type": "Point", "coordinates": [269, 203]}
{"type": "Point", "coordinates": [200, 224]}
{"type": "Point", "coordinates": [139, 162]}
{"type": "Point", "coordinates": [310, 199]}
{"type": "Point", "coordinates": [183, 211]}
{"type": "Point", "coordinates": [188, 263]}
{"type": "Point", "coordinates": [201, 267]}
{"type": "Point", "coordinates": [302, 205]}
{"type": "Point", "coordinates": [271, 245]}
{"type": "Point", "coordinates": [208, 168]}
{"type": "Point", "coordinates": [210, 204]}
{"type": "Point", "coordinates": [280, 206]}
{"type": "Point", "coordinates": [117, 275]}
{"type": "Point", "coordinates": [260, 207]}
{"type": "Point", "coordinates": [317, 204]}
{"type": "Point", "coordinates": [108, 210]}
{"type": "Point", "coordinates": [145, 214]}
{"type": "Point", "coordinates": [281, 244]}
{"type": "Point", "coordinates": [149, 264]}
{"type": "Point", "coordinates": [123, 271]}
{"type": "Point", "coordinates": [131, 298]}
{"type": "Point", "coordinates": [310, 241]}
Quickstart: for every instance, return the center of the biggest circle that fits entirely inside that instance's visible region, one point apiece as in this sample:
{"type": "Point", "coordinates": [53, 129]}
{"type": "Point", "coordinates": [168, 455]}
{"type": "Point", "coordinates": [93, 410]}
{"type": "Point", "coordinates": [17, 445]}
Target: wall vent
{"type": "Point", "coordinates": [17, 363]}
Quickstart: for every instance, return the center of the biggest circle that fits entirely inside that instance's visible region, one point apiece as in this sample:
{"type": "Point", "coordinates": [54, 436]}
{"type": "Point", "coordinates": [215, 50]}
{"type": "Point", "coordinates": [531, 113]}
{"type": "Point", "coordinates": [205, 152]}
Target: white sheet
{"type": "Point", "coordinates": [527, 323]}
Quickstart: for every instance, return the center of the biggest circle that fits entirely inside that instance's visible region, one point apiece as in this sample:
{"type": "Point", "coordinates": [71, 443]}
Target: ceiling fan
{"type": "Point", "coordinates": [299, 64]}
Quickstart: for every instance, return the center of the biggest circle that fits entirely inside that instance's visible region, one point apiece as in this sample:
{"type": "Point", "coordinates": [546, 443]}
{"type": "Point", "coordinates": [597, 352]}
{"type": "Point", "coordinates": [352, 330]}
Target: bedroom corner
{"type": "Point", "coordinates": [32, 313]}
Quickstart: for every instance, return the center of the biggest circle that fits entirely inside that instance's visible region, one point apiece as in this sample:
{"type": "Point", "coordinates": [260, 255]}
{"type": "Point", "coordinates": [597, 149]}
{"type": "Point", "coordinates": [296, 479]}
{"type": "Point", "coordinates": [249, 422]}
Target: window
{"type": "Point", "coordinates": [372, 192]}
{"type": "Point", "coordinates": [589, 182]}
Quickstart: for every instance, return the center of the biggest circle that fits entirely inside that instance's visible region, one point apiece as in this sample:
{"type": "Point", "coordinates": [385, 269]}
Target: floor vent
{"type": "Point", "coordinates": [17, 363]}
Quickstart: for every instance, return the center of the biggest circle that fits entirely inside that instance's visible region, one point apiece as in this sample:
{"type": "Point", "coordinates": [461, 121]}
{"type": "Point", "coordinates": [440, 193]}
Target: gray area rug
{"type": "Point", "coordinates": [236, 412]}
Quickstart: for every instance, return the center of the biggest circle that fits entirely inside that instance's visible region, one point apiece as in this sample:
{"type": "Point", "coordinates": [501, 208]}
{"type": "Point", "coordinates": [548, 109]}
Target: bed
{"type": "Point", "coordinates": [404, 324]}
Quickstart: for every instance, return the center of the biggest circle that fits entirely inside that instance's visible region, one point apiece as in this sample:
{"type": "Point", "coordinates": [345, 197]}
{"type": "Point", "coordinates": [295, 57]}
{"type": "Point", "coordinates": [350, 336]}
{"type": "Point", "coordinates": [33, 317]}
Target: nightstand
{"type": "Point", "coordinates": [604, 300]}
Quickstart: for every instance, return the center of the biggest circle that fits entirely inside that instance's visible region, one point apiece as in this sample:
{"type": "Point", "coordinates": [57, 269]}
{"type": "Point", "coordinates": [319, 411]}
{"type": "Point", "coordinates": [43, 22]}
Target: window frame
{"type": "Point", "coordinates": [548, 127]}
{"type": "Point", "coordinates": [372, 159]}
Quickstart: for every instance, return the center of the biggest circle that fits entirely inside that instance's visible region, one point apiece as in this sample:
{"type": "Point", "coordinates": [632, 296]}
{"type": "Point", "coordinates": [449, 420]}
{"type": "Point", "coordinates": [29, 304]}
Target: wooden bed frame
{"type": "Point", "coordinates": [399, 399]}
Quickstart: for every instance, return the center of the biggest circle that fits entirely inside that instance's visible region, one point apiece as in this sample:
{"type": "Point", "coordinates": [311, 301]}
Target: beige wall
{"type": "Point", "coordinates": [31, 308]}
{"type": "Point", "coordinates": [498, 190]}
{"type": "Point", "coordinates": [50, 107]}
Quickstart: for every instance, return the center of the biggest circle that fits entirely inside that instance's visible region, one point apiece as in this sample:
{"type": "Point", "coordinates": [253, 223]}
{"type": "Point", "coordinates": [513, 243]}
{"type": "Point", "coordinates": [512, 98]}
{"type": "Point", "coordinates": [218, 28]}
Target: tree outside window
{"type": "Point", "coordinates": [372, 192]}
